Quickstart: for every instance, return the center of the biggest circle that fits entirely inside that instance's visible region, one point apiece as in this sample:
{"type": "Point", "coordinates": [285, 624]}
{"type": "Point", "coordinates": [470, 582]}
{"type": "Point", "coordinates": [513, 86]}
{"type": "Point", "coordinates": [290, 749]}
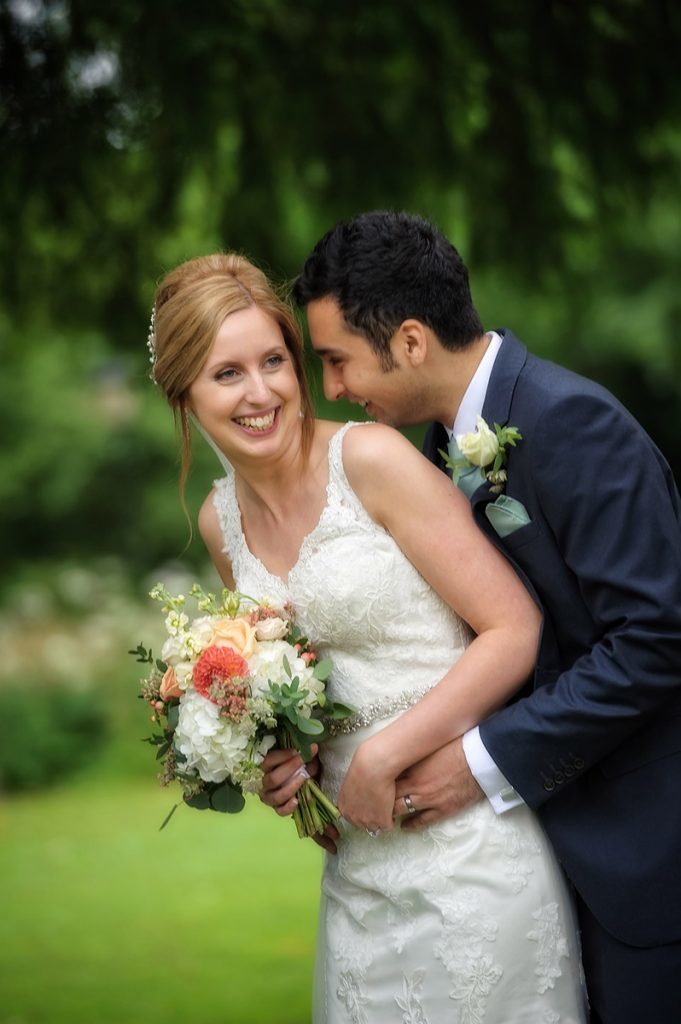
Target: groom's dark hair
{"type": "Point", "coordinates": [385, 267]}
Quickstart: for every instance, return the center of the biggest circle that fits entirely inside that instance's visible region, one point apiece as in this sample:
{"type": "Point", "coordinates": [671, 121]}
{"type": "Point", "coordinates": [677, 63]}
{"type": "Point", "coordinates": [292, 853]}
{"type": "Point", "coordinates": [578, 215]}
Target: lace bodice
{"type": "Point", "coordinates": [356, 596]}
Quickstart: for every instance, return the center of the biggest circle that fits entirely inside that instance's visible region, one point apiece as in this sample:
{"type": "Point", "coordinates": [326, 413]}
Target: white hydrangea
{"type": "Point", "coordinates": [212, 746]}
{"type": "Point", "coordinates": [268, 664]}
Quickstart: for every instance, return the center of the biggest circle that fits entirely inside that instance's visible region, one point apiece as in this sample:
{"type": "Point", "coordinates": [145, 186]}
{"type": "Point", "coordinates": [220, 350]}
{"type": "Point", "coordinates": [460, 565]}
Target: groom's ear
{"type": "Point", "coordinates": [411, 342]}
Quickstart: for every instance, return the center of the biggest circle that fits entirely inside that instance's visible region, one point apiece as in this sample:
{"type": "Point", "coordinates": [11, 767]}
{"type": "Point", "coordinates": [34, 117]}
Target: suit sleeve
{"type": "Point", "coordinates": [611, 504]}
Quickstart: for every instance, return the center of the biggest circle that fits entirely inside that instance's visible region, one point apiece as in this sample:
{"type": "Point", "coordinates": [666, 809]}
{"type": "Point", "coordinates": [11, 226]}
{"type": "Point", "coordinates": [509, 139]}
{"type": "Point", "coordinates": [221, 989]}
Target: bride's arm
{"type": "Point", "coordinates": [432, 523]}
{"type": "Point", "coordinates": [211, 533]}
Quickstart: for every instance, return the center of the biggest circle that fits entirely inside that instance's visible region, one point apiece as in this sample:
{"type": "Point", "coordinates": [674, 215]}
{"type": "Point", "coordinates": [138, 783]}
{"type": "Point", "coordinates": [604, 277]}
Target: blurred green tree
{"type": "Point", "coordinates": [543, 137]}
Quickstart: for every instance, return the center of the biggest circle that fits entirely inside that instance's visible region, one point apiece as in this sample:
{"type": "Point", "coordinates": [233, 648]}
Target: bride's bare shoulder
{"type": "Point", "coordinates": [367, 446]}
{"type": "Point", "coordinates": [209, 524]}
{"type": "Point", "coordinates": [211, 533]}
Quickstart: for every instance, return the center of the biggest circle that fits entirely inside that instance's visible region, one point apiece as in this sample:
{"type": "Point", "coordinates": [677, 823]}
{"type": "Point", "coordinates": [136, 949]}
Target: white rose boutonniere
{"type": "Point", "coordinates": [481, 447]}
{"type": "Point", "coordinates": [486, 449]}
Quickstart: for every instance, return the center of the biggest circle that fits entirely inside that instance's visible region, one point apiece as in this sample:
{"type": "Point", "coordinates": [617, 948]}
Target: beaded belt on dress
{"type": "Point", "coordinates": [385, 707]}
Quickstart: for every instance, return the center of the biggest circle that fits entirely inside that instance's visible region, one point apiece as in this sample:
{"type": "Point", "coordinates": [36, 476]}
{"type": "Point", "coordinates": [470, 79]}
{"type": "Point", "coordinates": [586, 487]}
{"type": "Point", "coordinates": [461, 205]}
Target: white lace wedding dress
{"type": "Point", "coordinates": [466, 922]}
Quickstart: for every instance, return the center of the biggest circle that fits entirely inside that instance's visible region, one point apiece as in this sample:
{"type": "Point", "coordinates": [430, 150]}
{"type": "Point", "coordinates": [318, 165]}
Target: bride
{"type": "Point", "coordinates": [429, 631]}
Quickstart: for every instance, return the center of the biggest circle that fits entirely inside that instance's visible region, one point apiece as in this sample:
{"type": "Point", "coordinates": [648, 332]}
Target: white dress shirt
{"type": "Point", "coordinates": [493, 783]}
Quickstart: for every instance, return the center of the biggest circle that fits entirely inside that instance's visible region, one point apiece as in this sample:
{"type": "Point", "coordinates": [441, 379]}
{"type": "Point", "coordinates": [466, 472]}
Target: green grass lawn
{"type": "Point", "coordinates": [106, 920]}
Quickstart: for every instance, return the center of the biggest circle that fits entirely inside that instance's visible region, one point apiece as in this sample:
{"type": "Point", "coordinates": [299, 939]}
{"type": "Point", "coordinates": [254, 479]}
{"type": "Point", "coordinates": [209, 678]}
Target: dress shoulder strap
{"type": "Point", "coordinates": [339, 488]}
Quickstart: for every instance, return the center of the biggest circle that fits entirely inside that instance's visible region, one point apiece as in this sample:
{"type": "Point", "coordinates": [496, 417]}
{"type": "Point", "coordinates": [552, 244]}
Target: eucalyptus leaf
{"type": "Point", "coordinates": [173, 716]}
{"type": "Point", "coordinates": [322, 669]}
{"type": "Point", "coordinates": [338, 710]}
{"type": "Point", "coordinates": [227, 799]}
{"type": "Point", "coordinates": [200, 801]}
{"type": "Point", "coordinates": [312, 726]}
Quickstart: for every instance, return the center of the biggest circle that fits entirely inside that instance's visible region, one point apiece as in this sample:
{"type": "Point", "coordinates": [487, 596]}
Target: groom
{"type": "Point", "coordinates": [591, 519]}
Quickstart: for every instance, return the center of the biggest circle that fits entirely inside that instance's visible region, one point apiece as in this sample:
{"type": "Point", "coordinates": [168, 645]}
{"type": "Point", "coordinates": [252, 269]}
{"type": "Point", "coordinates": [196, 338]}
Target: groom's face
{"type": "Point", "coordinates": [352, 369]}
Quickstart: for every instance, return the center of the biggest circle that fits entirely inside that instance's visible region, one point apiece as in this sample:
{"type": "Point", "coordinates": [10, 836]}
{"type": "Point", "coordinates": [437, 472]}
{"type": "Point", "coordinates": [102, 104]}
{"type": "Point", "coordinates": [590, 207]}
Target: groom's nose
{"type": "Point", "coordinates": [333, 384]}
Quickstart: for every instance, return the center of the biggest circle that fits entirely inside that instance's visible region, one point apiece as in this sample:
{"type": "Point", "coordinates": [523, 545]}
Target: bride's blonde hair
{"type": "Point", "coordinates": [190, 306]}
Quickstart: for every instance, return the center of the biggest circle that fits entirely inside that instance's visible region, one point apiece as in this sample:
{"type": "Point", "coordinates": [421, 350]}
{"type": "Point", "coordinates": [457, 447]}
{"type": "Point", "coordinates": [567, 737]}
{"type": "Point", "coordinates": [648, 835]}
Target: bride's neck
{"type": "Point", "coordinates": [276, 486]}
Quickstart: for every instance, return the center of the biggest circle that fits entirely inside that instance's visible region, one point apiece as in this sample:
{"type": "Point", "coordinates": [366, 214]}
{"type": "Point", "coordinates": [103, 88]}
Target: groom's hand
{"type": "Point", "coordinates": [437, 787]}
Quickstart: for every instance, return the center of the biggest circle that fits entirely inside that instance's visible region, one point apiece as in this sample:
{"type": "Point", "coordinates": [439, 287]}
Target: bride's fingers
{"type": "Point", "coordinates": [282, 797]}
{"type": "Point", "coordinates": [278, 776]}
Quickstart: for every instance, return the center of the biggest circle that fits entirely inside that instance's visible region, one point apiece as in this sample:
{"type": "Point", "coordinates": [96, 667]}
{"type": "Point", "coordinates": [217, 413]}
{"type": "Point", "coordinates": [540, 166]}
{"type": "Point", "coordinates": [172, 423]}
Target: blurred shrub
{"type": "Point", "coordinates": [48, 733]}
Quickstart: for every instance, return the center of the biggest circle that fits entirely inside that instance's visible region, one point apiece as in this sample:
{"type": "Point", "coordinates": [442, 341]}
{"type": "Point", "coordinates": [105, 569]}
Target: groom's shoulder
{"type": "Point", "coordinates": [547, 381]}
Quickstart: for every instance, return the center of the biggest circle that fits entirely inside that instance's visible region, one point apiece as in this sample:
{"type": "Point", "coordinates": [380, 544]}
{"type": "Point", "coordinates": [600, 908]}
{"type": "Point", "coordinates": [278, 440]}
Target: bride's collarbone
{"type": "Point", "coordinates": [275, 536]}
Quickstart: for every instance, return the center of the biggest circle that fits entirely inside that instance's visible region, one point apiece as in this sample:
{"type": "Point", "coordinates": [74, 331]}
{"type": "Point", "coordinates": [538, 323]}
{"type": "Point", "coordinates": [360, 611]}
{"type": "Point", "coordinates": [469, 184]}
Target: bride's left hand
{"type": "Point", "coordinates": [367, 795]}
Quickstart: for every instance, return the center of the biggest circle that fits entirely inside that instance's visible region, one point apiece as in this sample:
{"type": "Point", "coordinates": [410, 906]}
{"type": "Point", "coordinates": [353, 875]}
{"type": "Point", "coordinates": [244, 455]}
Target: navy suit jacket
{"type": "Point", "coordinates": [595, 745]}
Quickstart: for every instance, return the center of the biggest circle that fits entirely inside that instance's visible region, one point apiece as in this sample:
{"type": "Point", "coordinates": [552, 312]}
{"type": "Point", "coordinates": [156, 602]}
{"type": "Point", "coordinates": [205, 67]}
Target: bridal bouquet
{"type": "Point", "coordinates": [231, 684]}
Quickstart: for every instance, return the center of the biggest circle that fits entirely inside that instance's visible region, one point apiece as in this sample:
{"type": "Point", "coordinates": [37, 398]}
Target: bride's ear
{"type": "Point", "coordinates": [411, 342]}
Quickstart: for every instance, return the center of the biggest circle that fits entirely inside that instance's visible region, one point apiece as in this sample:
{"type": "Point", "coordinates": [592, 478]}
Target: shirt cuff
{"type": "Point", "coordinates": [494, 785]}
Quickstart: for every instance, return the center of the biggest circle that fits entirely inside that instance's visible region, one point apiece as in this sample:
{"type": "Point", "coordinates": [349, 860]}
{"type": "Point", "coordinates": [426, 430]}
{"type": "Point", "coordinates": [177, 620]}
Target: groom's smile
{"type": "Point", "coordinates": [352, 370]}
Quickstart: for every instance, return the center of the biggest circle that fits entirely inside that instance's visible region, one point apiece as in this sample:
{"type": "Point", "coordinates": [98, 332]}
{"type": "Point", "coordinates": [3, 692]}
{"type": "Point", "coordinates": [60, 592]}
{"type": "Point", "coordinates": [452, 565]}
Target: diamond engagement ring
{"type": "Point", "coordinates": [408, 804]}
{"type": "Point", "coordinates": [373, 832]}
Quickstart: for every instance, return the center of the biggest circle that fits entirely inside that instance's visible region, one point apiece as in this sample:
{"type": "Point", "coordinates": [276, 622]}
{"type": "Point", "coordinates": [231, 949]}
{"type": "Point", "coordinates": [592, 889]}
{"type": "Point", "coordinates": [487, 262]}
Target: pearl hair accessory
{"type": "Point", "coordinates": [151, 343]}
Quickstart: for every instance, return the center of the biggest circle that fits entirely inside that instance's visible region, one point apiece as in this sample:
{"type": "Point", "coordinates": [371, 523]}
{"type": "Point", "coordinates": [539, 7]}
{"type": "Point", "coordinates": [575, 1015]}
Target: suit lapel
{"type": "Point", "coordinates": [505, 372]}
{"type": "Point", "coordinates": [497, 405]}
{"type": "Point", "coordinates": [436, 438]}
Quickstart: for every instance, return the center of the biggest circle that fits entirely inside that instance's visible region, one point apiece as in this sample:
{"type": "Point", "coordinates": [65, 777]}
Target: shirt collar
{"type": "Point", "coordinates": [474, 397]}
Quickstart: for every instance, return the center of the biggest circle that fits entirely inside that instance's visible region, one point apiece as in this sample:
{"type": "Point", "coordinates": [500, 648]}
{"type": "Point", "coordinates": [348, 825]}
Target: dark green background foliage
{"type": "Point", "coordinates": [542, 137]}
{"type": "Point", "coordinates": [52, 732]}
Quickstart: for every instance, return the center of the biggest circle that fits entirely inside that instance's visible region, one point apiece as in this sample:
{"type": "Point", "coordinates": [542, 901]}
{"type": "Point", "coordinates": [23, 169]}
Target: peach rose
{"type": "Point", "coordinates": [235, 633]}
{"type": "Point", "coordinates": [170, 687]}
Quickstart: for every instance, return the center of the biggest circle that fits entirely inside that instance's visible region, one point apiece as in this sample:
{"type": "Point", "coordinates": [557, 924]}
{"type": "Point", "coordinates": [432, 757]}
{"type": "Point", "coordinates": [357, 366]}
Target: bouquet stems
{"type": "Point", "coordinates": [314, 811]}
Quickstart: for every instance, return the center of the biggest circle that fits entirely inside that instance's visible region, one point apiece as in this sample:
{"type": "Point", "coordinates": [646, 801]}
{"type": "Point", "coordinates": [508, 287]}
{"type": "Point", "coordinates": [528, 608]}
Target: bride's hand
{"type": "Point", "coordinates": [283, 775]}
{"type": "Point", "coordinates": [367, 795]}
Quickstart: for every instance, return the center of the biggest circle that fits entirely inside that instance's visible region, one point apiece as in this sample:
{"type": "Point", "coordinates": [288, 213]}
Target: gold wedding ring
{"type": "Point", "coordinates": [408, 804]}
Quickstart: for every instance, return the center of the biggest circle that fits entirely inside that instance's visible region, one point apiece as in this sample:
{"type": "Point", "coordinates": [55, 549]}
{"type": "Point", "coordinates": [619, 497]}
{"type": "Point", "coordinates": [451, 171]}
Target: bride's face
{"type": "Point", "coordinates": [246, 395]}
